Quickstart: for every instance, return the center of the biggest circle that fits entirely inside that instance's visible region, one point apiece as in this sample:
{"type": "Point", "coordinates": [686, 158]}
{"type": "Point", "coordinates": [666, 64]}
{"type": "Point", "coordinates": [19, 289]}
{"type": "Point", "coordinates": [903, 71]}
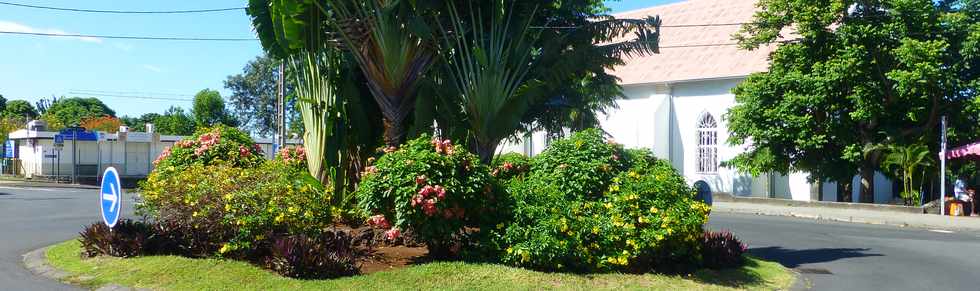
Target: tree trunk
{"type": "Point", "coordinates": [867, 183]}
{"type": "Point", "coordinates": [394, 133]}
{"type": "Point", "coordinates": [486, 150]}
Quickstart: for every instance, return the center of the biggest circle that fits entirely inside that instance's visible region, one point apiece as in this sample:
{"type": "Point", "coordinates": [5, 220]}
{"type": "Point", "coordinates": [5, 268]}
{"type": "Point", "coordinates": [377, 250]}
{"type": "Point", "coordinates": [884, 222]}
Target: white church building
{"type": "Point", "coordinates": [676, 102]}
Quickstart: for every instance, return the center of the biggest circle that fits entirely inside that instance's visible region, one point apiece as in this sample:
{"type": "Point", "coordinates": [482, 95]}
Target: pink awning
{"type": "Point", "coordinates": [970, 151]}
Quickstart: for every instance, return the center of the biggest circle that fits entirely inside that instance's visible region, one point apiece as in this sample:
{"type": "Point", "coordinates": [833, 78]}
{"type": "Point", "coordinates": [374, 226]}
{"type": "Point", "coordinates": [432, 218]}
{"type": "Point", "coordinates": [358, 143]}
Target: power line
{"type": "Point", "coordinates": [96, 92]}
{"type": "Point", "coordinates": [128, 37]}
{"type": "Point", "coordinates": [122, 11]}
{"type": "Point", "coordinates": [127, 96]}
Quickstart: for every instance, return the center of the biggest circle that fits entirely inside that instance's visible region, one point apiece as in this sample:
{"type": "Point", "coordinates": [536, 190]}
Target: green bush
{"type": "Point", "coordinates": [433, 188]}
{"type": "Point", "coordinates": [587, 206]}
{"type": "Point", "coordinates": [219, 145]}
{"type": "Point", "coordinates": [224, 209]}
{"type": "Point", "coordinates": [510, 165]}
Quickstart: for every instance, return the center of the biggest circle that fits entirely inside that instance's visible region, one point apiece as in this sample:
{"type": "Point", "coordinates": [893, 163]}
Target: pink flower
{"type": "Point", "coordinates": [417, 199]}
{"type": "Point", "coordinates": [370, 170]}
{"type": "Point", "coordinates": [184, 143]}
{"type": "Point", "coordinates": [508, 166]}
{"type": "Point", "coordinates": [393, 233]}
{"type": "Point", "coordinates": [390, 149]}
{"type": "Point", "coordinates": [257, 148]}
{"type": "Point", "coordinates": [426, 191]}
{"type": "Point", "coordinates": [420, 180]}
{"type": "Point", "coordinates": [379, 221]}
{"type": "Point", "coordinates": [244, 151]}
{"type": "Point", "coordinates": [429, 208]}
{"type": "Point", "coordinates": [440, 192]}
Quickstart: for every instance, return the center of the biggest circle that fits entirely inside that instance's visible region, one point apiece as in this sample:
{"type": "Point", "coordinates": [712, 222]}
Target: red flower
{"type": "Point", "coordinates": [420, 180]}
{"type": "Point", "coordinates": [379, 221]}
{"type": "Point", "coordinates": [440, 192]}
{"type": "Point", "coordinates": [416, 200]}
{"type": "Point", "coordinates": [244, 151]}
{"type": "Point", "coordinates": [393, 234]}
{"type": "Point", "coordinates": [429, 208]}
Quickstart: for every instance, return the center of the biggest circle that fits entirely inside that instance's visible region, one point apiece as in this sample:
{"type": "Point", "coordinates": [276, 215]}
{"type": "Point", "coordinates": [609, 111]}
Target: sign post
{"type": "Point", "coordinates": [942, 168]}
{"type": "Point", "coordinates": [110, 197]}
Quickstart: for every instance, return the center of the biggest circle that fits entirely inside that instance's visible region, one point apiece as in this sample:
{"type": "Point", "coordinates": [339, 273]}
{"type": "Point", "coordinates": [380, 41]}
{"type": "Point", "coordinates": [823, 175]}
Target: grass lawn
{"type": "Point", "coordinates": [178, 273]}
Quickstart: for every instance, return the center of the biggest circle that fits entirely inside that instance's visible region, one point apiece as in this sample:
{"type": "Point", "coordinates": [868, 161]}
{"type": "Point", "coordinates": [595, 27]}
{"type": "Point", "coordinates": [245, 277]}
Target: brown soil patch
{"type": "Point", "coordinates": [387, 258]}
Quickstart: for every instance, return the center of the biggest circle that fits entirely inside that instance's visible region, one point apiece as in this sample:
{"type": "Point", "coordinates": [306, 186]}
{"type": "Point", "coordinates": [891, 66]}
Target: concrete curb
{"type": "Point", "coordinates": [36, 261]}
{"type": "Point", "coordinates": [725, 197]}
{"type": "Point", "coordinates": [27, 184]}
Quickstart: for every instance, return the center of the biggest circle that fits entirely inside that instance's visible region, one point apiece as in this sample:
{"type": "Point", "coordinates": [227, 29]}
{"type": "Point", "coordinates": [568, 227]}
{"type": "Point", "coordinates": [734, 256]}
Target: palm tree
{"type": "Point", "coordinates": [488, 64]}
{"type": "Point", "coordinates": [388, 39]}
{"type": "Point", "coordinates": [907, 161]}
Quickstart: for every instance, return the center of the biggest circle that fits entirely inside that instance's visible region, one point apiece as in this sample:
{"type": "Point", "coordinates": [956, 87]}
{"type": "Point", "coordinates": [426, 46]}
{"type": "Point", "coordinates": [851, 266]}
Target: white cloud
{"type": "Point", "coordinates": [153, 68]}
{"type": "Point", "coordinates": [17, 27]}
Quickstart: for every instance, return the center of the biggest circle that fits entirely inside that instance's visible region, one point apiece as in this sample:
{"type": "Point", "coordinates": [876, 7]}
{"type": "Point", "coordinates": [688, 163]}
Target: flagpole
{"type": "Point", "coordinates": [942, 168]}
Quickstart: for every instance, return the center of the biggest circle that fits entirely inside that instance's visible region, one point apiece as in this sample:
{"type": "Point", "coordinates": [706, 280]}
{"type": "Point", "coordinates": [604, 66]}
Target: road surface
{"type": "Point", "coordinates": [830, 255]}
{"type": "Point", "coordinates": [846, 256]}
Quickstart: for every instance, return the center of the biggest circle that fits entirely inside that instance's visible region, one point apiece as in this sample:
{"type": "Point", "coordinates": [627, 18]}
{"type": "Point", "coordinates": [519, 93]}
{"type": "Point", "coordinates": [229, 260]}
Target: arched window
{"type": "Point", "coordinates": [707, 144]}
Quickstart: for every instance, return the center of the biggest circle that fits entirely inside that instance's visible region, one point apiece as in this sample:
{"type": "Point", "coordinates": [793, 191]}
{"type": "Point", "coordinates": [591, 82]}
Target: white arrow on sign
{"type": "Point", "coordinates": [111, 197]}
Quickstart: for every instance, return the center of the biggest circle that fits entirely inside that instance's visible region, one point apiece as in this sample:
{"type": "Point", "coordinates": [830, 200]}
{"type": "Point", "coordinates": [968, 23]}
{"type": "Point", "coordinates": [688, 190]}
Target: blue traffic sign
{"type": "Point", "coordinates": [110, 197]}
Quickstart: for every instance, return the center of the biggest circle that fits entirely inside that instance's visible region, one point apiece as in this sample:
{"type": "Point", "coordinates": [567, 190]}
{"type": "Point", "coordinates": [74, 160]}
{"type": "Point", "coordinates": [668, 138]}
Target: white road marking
{"type": "Point", "coordinates": [941, 231]}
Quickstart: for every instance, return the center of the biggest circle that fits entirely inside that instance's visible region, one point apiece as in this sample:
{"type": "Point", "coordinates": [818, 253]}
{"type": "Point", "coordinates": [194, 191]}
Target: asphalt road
{"type": "Point", "coordinates": [844, 256]}
{"type": "Point", "coordinates": [32, 218]}
{"type": "Point", "coordinates": [830, 255]}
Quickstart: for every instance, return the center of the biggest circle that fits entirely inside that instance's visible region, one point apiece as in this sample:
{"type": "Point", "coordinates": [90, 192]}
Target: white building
{"type": "Point", "coordinates": [131, 153]}
{"type": "Point", "coordinates": [676, 102]}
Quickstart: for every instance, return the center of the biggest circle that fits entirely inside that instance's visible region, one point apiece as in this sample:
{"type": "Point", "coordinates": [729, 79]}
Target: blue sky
{"type": "Point", "coordinates": [34, 67]}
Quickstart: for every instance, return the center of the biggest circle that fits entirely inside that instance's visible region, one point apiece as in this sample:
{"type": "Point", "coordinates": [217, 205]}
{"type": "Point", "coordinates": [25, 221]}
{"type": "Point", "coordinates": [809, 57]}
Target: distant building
{"type": "Point", "coordinates": [131, 153]}
{"type": "Point", "coordinates": [676, 102]}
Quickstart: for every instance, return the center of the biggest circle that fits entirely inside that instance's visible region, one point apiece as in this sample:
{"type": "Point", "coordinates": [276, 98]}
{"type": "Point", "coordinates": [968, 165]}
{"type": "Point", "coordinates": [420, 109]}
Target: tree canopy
{"type": "Point", "coordinates": [860, 76]}
{"type": "Point", "coordinates": [71, 111]}
{"type": "Point", "coordinates": [253, 97]}
{"type": "Point", "coordinates": [407, 69]}
{"type": "Point", "coordinates": [20, 109]}
{"type": "Point", "coordinates": [174, 121]}
{"type": "Point", "coordinates": [209, 109]}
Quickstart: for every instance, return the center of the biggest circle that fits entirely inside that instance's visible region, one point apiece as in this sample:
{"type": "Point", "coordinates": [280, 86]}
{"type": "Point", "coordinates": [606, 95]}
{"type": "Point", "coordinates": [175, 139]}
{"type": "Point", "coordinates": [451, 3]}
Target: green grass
{"type": "Point", "coordinates": [178, 273]}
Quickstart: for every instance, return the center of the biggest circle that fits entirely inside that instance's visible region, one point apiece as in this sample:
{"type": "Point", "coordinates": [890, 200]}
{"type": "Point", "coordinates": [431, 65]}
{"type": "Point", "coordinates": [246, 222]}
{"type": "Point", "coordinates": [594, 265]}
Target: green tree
{"type": "Point", "coordinates": [71, 111]}
{"type": "Point", "coordinates": [209, 109]}
{"type": "Point", "coordinates": [863, 75]}
{"type": "Point", "coordinates": [174, 121]}
{"type": "Point", "coordinates": [20, 109]}
{"type": "Point", "coordinates": [253, 97]}
{"type": "Point", "coordinates": [393, 44]}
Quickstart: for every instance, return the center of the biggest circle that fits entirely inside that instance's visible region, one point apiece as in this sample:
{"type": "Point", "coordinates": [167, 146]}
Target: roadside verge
{"type": "Point", "coordinates": [853, 214]}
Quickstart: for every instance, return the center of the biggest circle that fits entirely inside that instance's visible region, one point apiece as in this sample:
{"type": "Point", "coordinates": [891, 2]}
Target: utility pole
{"type": "Point", "coordinates": [281, 108]}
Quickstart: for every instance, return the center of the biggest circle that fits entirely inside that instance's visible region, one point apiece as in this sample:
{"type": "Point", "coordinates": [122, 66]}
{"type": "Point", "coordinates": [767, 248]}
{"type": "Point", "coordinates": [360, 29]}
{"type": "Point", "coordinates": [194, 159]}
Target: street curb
{"type": "Point", "coordinates": [36, 261]}
{"type": "Point", "coordinates": [817, 217]}
{"type": "Point", "coordinates": [46, 185]}
{"type": "Point", "coordinates": [726, 197]}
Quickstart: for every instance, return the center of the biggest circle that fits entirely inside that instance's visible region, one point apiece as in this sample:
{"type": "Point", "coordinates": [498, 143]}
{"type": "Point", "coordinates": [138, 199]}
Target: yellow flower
{"type": "Point", "coordinates": [500, 225]}
{"type": "Point", "coordinates": [654, 209]}
{"type": "Point", "coordinates": [634, 174]}
{"type": "Point", "coordinates": [510, 250]}
{"type": "Point", "coordinates": [608, 205]}
{"type": "Point", "coordinates": [614, 188]}
{"type": "Point", "coordinates": [224, 249]}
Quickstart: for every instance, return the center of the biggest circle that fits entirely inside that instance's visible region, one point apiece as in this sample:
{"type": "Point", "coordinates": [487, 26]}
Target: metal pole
{"type": "Point", "coordinates": [942, 168]}
{"type": "Point", "coordinates": [74, 155]}
{"type": "Point", "coordinates": [281, 110]}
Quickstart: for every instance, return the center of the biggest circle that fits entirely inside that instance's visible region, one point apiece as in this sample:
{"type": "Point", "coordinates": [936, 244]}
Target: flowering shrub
{"type": "Point", "coordinates": [431, 187]}
{"type": "Point", "coordinates": [587, 205]}
{"type": "Point", "coordinates": [212, 146]}
{"type": "Point", "coordinates": [722, 250]}
{"type": "Point", "coordinates": [510, 165]}
{"type": "Point", "coordinates": [292, 156]}
{"type": "Point", "coordinates": [235, 208]}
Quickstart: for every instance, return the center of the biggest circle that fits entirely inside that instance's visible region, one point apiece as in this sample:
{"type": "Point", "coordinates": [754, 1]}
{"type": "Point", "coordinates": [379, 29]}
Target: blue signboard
{"type": "Point", "coordinates": [79, 133]}
{"type": "Point", "coordinates": [58, 139]}
{"type": "Point", "coordinates": [10, 149]}
{"type": "Point", "coordinates": [110, 197]}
